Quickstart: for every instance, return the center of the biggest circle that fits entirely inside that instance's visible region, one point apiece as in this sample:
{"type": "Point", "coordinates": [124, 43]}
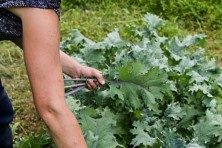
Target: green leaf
{"type": "Point", "coordinates": [201, 87]}
{"type": "Point", "coordinates": [209, 65]}
{"type": "Point", "coordinates": [113, 39]}
{"type": "Point", "coordinates": [178, 48]}
{"type": "Point", "coordinates": [139, 87]}
{"type": "Point", "coordinates": [219, 80]}
{"type": "Point", "coordinates": [185, 64]}
{"type": "Point", "coordinates": [37, 141]}
{"type": "Point", "coordinates": [177, 51]}
{"type": "Point", "coordinates": [117, 91]}
{"type": "Point", "coordinates": [196, 77]}
{"type": "Point", "coordinates": [74, 105]}
{"type": "Point", "coordinates": [141, 136]}
{"type": "Point", "coordinates": [98, 128]}
{"type": "Point", "coordinates": [194, 144]}
{"type": "Point", "coordinates": [189, 114]}
{"type": "Point", "coordinates": [174, 111]}
{"type": "Point", "coordinates": [94, 56]}
{"type": "Point", "coordinates": [78, 38]}
{"type": "Point", "coordinates": [153, 20]}
{"type": "Point", "coordinates": [172, 140]}
{"type": "Point", "coordinates": [209, 128]}
{"type": "Point", "coordinates": [198, 40]}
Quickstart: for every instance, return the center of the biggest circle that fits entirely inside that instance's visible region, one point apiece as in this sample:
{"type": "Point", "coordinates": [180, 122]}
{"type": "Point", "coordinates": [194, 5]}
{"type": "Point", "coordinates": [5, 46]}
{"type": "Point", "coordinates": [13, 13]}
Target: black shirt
{"type": "Point", "coordinates": [11, 25]}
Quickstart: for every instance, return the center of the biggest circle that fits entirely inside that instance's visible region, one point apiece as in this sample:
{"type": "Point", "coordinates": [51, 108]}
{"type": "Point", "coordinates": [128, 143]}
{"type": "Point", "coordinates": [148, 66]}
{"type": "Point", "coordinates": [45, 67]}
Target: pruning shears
{"type": "Point", "coordinates": [78, 84]}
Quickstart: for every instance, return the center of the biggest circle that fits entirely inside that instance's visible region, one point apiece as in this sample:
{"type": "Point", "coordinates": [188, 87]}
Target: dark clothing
{"type": "Point", "coordinates": [6, 137]}
{"type": "Point", "coordinates": [6, 116]}
{"type": "Point", "coordinates": [11, 25]}
{"type": "Point", "coordinates": [6, 110]}
{"type": "Point", "coordinates": [1, 87]}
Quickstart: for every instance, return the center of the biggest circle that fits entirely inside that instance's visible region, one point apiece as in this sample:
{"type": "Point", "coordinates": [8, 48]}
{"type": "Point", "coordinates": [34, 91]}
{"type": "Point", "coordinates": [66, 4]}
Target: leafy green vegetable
{"type": "Point", "coordinates": [99, 130]}
{"type": "Point", "coordinates": [142, 137]}
{"type": "Point", "coordinates": [160, 92]}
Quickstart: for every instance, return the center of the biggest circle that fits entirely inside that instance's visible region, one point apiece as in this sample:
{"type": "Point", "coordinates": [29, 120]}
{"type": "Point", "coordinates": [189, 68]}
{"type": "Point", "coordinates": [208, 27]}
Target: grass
{"type": "Point", "coordinates": [94, 23]}
{"type": "Point", "coordinates": [15, 80]}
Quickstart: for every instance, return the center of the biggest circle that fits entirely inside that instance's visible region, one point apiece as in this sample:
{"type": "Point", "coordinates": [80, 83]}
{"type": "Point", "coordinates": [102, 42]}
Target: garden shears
{"type": "Point", "coordinates": [77, 84]}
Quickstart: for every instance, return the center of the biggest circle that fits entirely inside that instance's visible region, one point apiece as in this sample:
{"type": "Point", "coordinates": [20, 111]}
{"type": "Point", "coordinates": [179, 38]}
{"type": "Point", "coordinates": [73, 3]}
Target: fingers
{"type": "Point", "coordinates": [100, 80]}
{"type": "Point", "coordinates": [92, 85]}
{"type": "Point", "coordinates": [95, 84]}
{"type": "Point", "coordinates": [99, 77]}
{"type": "Point", "coordinates": [89, 72]}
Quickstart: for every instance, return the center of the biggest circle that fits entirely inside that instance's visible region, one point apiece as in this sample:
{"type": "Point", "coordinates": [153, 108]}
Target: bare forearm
{"type": "Point", "coordinates": [69, 66]}
{"type": "Point", "coordinates": [41, 53]}
{"type": "Point", "coordinates": [64, 129]}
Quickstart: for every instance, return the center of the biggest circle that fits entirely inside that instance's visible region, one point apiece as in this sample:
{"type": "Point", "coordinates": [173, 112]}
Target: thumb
{"type": "Point", "coordinates": [100, 78]}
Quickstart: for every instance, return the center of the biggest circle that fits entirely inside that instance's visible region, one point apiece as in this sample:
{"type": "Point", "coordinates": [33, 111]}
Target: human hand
{"type": "Point", "coordinates": [89, 72]}
{"type": "Point", "coordinates": [75, 70]}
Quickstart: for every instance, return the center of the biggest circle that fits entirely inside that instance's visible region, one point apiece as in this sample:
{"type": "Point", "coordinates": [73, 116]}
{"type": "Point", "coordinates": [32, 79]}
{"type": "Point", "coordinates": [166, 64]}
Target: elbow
{"type": "Point", "coordinates": [51, 111]}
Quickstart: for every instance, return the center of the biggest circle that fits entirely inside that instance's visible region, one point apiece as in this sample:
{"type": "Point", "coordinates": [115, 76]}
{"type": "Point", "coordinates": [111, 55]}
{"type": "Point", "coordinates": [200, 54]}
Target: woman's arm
{"type": "Point", "coordinates": [41, 53]}
{"type": "Point", "coordinates": [72, 68]}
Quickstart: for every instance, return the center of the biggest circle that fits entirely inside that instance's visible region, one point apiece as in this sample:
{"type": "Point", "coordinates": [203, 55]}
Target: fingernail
{"type": "Point", "coordinates": [103, 82]}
